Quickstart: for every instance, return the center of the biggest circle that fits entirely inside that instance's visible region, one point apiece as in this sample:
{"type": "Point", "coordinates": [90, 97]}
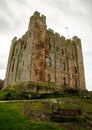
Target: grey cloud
{"type": "Point", "coordinates": [2, 4]}
{"type": "Point", "coordinates": [4, 25]}
{"type": "Point", "coordinates": [74, 8]}
{"type": "Point", "coordinates": [87, 6]}
{"type": "Point", "coordinates": [5, 15]}
{"type": "Point", "coordinates": [7, 24]}
{"type": "Point", "coordinates": [8, 18]}
{"type": "Point", "coordinates": [2, 66]}
{"type": "Point", "coordinates": [87, 3]}
{"type": "Point", "coordinates": [4, 9]}
{"type": "Point", "coordinates": [66, 7]}
{"type": "Point", "coordinates": [88, 54]}
{"type": "Point", "coordinates": [60, 4]}
{"type": "Point", "coordinates": [23, 2]}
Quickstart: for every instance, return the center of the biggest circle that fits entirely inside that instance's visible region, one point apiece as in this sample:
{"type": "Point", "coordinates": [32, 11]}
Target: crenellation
{"type": "Point", "coordinates": [43, 18]}
{"type": "Point", "coordinates": [44, 56]}
{"type": "Point", "coordinates": [50, 30]}
{"type": "Point", "coordinates": [37, 14]}
{"type": "Point", "coordinates": [77, 41]}
{"type": "Point", "coordinates": [62, 38]}
{"type": "Point", "coordinates": [24, 37]}
{"type": "Point", "coordinates": [14, 39]}
{"type": "Point", "coordinates": [57, 34]}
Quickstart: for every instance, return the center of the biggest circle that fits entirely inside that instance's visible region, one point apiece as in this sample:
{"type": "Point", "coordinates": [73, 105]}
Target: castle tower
{"type": "Point", "coordinates": [80, 62]}
{"type": "Point", "coordinates": [44, 56]}
{"type": "Point", "coordinates": [38, 48]}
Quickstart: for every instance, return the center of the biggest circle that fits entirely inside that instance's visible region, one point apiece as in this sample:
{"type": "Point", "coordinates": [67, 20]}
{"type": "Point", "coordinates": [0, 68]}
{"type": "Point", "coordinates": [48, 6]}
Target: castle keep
{"type": "Point", "coordinates": [44, 56]}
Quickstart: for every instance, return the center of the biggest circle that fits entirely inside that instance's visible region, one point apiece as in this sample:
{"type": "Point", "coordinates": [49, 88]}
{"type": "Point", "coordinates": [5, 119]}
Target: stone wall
{"type": "Point", "coordinates": [44, 56]}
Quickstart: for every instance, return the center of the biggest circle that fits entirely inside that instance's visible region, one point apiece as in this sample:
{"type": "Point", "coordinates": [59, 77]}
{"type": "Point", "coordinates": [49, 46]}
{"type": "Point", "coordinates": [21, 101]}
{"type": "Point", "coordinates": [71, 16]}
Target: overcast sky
{"type": "Point", "coordinates": [74, 14]}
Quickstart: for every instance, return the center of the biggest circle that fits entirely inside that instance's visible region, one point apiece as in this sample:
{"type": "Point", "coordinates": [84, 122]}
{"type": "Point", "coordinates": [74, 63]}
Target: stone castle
{"type": "Point", "coordinates": [44, 56]}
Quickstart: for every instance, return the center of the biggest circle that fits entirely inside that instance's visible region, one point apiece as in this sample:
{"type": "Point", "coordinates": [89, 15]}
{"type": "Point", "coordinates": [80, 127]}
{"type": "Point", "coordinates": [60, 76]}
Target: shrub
{"type": "Point", "coordinates": [14, 95]}
{"type": "Point", "coordinates": [78, 119]}
{"type": "Point", "coordinates": [51, 95]}
{"type": "Point", "coordinates": [4, 95]}
{"type": "Point", "coordinates": [71, 91]}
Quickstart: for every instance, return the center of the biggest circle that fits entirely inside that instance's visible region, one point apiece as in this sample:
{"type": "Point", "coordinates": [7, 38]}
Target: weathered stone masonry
{"type": "Point", "coordinates": [44, 56]}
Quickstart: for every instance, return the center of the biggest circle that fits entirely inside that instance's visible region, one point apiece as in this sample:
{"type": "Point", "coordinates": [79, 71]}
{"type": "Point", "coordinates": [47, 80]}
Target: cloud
{"type": "Point", "coordinates": [78, 9]}
{"type": "Point", "coordinates": [4, 16]}
{"type": "Point", "coordinates": [88, 68]}
{"type": "Point", "coordinates": [11, 14]}
{"type": "Point", "coordinates": [4, 25]}
{"type": "Point", "coordinates": [3, 63]}
{"type": "Point", "coordinates": [2, 66]}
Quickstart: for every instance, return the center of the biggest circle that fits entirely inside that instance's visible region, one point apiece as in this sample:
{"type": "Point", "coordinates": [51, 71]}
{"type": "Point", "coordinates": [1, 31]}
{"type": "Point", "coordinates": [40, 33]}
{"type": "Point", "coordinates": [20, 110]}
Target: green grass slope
{"type": "Point", "coordinates": [11, 118]}
{"type": "Point", "coordinates": [12, 115]}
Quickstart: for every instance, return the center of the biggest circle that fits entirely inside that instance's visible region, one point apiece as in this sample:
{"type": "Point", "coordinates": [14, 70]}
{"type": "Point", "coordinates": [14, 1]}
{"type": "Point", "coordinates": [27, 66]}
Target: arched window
{"type": "Point", "coordinates": [49, 46]}
{"type": "Point", "coordinates": [24, 45]}
{"type": "Point", "coordinates": [38, 55]}
{"type": "Point", "coordinates": [49, 78]}
{"type": "Point", "coordinates": [64, 80]}
{"type": "Point", "coordinates": [36, 72]}
{"type": "Point", "coordinates": [62, 51]}
{"type": "Point", "coordinates": [49, 62]}
{"type": "Point", "coordinates": [75, 69]}
{"type": "Point", "coordinates": [63, 66]}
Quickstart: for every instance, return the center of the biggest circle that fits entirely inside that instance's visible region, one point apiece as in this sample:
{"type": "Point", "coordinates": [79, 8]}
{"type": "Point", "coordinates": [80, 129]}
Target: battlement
{"type": "Point", "coordinates": [43, 17]}
{"type": "Point", "coordinates": [51, 31]}
{"type": "Point", "coordinates": [38, 15]}
{"type": "Point", "coordinates": [57, 34]}
{"type": "Point", "coordinates": [63, 38]}
{"type": "Point", "coordinates": [75, 38]}
{"type": "Point", "coordinates": [14, 39]}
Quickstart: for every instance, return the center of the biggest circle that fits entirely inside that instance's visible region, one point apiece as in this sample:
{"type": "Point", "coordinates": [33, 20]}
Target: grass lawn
{"type": "Point", "coordinates": [12, 117]}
